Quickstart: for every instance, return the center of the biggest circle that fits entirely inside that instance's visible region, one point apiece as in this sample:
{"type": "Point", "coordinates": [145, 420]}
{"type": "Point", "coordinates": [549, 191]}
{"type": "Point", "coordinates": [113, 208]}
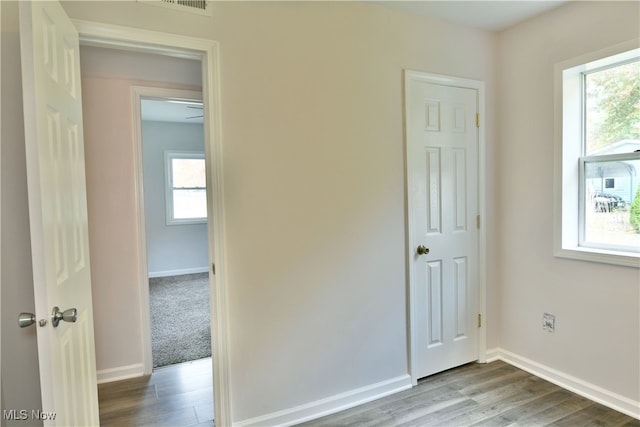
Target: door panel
{"type": "Point", "coordinates": [58, 213]}
{"type": "Point", "coordinates": [434, 286]}
{"type": "Point", "coordinates": [432, 174]}
{"type": "Point", "coordinates": [442, 144]}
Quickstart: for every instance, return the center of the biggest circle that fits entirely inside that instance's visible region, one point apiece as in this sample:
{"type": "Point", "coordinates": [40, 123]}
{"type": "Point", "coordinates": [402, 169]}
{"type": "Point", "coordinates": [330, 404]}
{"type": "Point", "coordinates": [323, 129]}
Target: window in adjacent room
{"type": "Point", "coordinates": [186, 194]}
{"type": "Point", "coordinates": [598, 208]}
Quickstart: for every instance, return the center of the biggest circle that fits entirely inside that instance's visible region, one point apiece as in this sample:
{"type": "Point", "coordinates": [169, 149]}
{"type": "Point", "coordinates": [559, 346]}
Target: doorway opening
{"type": "Point", "coordinates": [175, 217]}
{"type": "Point", "coordinates": [114, 90]}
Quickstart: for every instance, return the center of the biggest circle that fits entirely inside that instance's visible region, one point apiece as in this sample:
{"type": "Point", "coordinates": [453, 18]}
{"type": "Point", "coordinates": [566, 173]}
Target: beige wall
{"type": "Point", "coordinates": [314, 185]}
{"type": "Point", "coordinates": [597, 306]}
{"type": "Point", "coordinates": [314, 179]}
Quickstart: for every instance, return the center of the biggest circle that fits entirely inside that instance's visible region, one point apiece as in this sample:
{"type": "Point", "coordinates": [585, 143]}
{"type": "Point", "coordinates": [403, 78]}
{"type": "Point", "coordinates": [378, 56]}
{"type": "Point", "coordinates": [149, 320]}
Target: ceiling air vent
{"type": "Point", "coordinates": [201, 7]}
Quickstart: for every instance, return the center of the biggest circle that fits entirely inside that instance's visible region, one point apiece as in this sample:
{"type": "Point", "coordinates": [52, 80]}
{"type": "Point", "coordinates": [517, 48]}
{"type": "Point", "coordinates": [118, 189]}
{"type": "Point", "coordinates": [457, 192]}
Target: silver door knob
{"type": "Point", "coordinates": [69, 315]}
{"type": "Point", "coordinates": [26, 319]}
{"type": "Point", "coordinates": [422, 250]}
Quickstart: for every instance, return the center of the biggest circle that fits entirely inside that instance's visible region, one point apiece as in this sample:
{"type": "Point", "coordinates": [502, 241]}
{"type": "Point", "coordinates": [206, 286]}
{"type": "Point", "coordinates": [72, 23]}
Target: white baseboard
{"type": "Point", "coordinates": [120, 373]}
{"type": "Point", "coordinates": [583, 388]}
{"type": "Point", "coordinates": [179, 272]}
{"type": "Point", "coordinates": [330, 405]}
{"type": "Point", "coordinates": [492, 355]}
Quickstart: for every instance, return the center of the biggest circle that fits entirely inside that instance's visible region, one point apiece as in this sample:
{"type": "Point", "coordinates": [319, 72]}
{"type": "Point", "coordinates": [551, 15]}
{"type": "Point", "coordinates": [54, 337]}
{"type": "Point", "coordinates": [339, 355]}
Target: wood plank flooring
{"type": "Point", "coordinates": [175, 395]}
{"type": "Point", "coordinates": [494, 394]}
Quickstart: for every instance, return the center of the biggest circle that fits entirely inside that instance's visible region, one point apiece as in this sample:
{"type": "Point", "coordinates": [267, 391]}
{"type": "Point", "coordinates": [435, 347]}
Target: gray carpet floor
{"type": "Point", "coordinates": [180, 318]}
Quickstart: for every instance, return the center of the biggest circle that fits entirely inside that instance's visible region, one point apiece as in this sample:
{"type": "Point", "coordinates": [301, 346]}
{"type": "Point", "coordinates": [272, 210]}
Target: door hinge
{"type": "Point", "coordinates": [477, 120]}
{"type": "Point", "coordinates": [478, 222]}
{"type": "Point", "coordinates": [479, 320]}
{"type": "Point", "coordinates": [213, 269]}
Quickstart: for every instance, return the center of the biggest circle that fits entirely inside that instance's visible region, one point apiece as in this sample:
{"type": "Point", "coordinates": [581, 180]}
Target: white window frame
{"type": "Point", "coordinates": [169, 155]}
{"type": "Point", "coordinates": [568, 220]}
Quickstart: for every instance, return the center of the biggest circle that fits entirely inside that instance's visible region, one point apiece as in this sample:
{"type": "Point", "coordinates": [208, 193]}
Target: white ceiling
{"type": "Point", "coordinates": [162, 110]}
{"type": "Point", "coordinates": [485, 15]}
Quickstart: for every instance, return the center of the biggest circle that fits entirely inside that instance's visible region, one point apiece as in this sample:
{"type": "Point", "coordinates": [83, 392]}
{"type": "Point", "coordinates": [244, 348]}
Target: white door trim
{"type": "Point", "coordinates": [207, 51]}
{"type": "Point", "coordinates": [482, 236]}
{"type": "Point", "coordinates": [137, 93]}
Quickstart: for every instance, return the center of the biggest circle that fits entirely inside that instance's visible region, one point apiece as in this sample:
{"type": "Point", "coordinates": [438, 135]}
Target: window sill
{"type": "Point", "coordinates": [187, 221]}
{"type": "Point", "coordinates": [627, 259]}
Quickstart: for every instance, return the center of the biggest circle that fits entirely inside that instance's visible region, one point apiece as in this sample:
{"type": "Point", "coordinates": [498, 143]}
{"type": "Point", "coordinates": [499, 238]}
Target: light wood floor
{"type": "Point", "coordinates": [494, 394]}
{"type": "Point", "coordinates": [175, 395]}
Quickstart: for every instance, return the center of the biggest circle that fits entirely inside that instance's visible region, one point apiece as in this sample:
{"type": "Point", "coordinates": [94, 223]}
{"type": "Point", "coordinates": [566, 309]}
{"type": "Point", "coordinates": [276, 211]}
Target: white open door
{"type": "Point", "coordinates": [58, 213]}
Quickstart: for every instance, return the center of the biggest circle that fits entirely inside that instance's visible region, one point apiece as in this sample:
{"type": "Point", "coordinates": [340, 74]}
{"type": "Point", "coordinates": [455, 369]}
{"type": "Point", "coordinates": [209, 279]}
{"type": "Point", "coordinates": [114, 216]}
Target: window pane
{"type": "Point", "coordinates": [612, 109]}
{"type": "Point", "coordinates": [608, 208]}
{"type": "Point", "coordinates": [188, 173]}
{"type": "Point", "coordinates": [189, 204]}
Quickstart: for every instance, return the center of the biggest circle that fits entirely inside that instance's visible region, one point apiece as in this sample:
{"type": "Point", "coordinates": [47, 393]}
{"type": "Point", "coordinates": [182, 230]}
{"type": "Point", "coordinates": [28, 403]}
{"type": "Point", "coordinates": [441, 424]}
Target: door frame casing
{"type": "Point", "coordinates": [479, 86]}
{"type": "Point", "coordinates": [207, 51]}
